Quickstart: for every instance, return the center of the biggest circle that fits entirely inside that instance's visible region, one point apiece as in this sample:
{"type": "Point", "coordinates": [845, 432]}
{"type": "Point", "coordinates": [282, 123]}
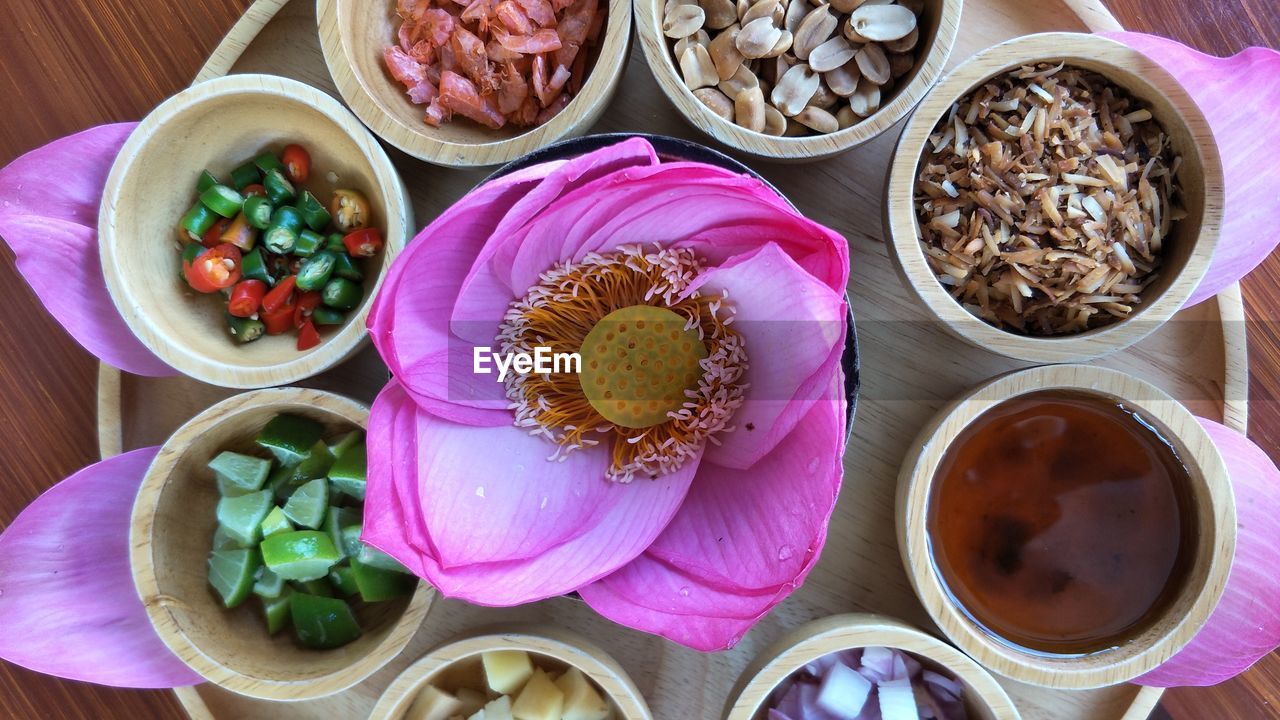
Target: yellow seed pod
{"type": "Point", "coordinates": [638, 362]}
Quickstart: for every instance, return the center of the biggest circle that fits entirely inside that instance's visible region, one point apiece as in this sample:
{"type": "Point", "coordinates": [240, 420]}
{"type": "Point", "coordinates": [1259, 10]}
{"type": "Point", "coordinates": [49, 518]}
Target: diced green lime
{"type": "Point", "coordinates": [300, 555]}
{"type": "Point", "coordinates": [269, 584]}
{"type": "Point", "coordinates": [319, 587]}
{"type": "Point", "coordinates": [336, 518]}
{"type": "Point", "coordinates": [276, 610]}
{"type": "Point", "coordinates": [275, 522]}
{"type": "Point", "coordinates": [316, 464]}
{"type": "Point", "coordinates": [308, 504]}
{"type": "Point", "coordinates": [376, 584]}
{"type": "Point", "coordinates": [242, 516]}
{"type": "Point", "coordinates": [348, 474]}
{"type": "Point", "coordinates": [282, 484]}
{"type": "Point", "coordinates": [223, 541]}
{"type": "Point", "coordinates": [290, 437]}
{"type": "Point", "coordinates": [231, 574]}
{"type": "Point", "coordinates": [343, 578]}
{"type": "Point", "coordinates": [323, 623]}
{"type": "Point", "coordinates": [239, 474]}
{"type": "Point", "coordinates": [351, 540]}
{"type": "Point", "coordinates": [373, 557]}
{"type": "Point", "coordinates": [345, 443]}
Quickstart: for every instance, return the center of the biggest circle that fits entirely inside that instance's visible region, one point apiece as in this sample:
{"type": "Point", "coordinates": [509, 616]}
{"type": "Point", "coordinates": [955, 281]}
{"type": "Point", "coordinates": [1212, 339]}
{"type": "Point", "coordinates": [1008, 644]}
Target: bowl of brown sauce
{"type": "Point", "coordinates": [1067, 526]}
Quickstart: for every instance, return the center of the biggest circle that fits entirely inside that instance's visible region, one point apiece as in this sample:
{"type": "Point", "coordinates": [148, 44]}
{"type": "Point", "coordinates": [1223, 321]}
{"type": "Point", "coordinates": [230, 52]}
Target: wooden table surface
{"type": "Point", "coordinates": [71, 64]}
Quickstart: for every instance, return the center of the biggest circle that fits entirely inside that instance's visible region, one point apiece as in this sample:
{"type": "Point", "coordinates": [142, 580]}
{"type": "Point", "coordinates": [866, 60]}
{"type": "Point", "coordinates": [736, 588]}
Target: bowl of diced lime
{"type": "Point", "coordinates": [245, 549]}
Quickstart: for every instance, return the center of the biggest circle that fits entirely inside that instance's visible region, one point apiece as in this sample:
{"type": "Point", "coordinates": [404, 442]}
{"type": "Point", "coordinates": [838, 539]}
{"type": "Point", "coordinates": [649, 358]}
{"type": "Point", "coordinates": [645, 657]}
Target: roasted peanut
{"type": "Point", "coordinates": [775, 123]}
{"type": "Point", "coordinates": [782, 46]}
{"type": "Point", "coordinates": [824, 98]}
{"type": "Point", "coordinates": [771, 9]}
{"type": "Point", "coordinates": [818, 119]}
{"type": "Point", "coordinates": [881, 23]}
{"type": "Point", "coordinates": [683, 21]}
{"type": "Point", "coordinates": [698, 38]}
{"type": "Point", "coordinates": [873, 63]}
{"type": "Point", "coordinates": [793, 91]}
{"type": "Point", "coordinates": [697, 68]}
{"type": "Point", "coordinates": [904, 43]}
{"type": "Point", "coordinates": [831, 54]}
{"type": "Point", "coordinates": [900, 64]}
{"type": "Point", "coordinates": [844, 79]}
{"type": "Point", "coordinates": [866, 99]}
{"type": "Point", "coordinates": [749, 109]}
{"type": "Point", "coordinates": [719, 14]}
{"type": "Point", "coordinates": [716, 101]}
{"type": "Point", "coordinates": [757, 38]}
{"type": "Point", "coordinates": [741, 80]}
{"type": "Point", "coordinates": [815, 29]}
{"type": "Point", "coordinates": [724, 53]}
{"type": "Point", "coordinates": [796, 11]}
{"type": "Point", "coordinates": [846, 118]}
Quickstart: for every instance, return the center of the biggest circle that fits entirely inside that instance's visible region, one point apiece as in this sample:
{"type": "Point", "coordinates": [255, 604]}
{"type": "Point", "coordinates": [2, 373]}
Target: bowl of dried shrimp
{"type": "Point", "coordinates": [475, 83]}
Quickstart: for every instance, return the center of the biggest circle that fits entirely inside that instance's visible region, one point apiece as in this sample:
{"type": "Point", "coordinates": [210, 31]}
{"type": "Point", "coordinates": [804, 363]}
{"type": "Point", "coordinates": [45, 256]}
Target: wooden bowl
{"type": "Point", "coordinates": [459, 661]}
{"type": "Point", "coordinates": [938, 26]}
{"type": "Point", "coordinates": [1187, 253]}
{"type": "Point", "coordinates": [218, 125]}
{"type": "Point", "coordinates": [353, 34]}
{"type": "Point", "coordinates": [170, 534]}
{"type": "Point", "coordinates": [984, 698]}
{"type": "Point", "coordinates": [1211, 494]}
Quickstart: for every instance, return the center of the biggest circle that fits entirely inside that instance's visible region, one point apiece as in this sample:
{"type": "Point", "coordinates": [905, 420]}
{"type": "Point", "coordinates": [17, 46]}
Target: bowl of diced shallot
{"type": "Point", "coordinates": [865, 667]}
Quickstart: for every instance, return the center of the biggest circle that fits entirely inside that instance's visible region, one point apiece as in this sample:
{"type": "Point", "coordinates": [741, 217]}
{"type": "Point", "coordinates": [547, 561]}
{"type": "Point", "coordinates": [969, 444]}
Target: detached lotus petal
{"type": "Point", "coordinates": [1246, 624]}
{"type": "Point", "coordinates": [1240, 97]}
{"type": "Point", "coordinates": [51, 224]}
{"type": "Point", "coordinates": [66, 592]}
{"type": "Point", "coordinates": [693, 523]}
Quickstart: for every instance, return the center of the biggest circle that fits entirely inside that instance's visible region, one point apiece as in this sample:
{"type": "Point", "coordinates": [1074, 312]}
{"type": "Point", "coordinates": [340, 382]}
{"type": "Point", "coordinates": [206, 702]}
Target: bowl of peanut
{"type": "Point", "coordinates": [788, 79]}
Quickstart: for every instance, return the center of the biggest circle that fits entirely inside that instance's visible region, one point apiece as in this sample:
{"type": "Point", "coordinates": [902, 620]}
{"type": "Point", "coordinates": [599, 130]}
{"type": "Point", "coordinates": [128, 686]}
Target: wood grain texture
{"type": "Point", "coordinates": [69, 65]}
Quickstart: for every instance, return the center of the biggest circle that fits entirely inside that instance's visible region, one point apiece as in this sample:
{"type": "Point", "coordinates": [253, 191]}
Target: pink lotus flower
{"type": "Point", "coordinates": [695, 537]}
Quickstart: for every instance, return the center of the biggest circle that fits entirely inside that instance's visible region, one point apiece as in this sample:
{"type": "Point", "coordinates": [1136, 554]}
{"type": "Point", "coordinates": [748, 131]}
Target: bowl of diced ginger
{"type": "Point", "coordinates": [502, 674]}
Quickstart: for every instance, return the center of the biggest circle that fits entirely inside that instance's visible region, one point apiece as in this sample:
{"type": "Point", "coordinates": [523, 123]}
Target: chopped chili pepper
{"type": "Point", "coordinates": [214, 269]}
{"type": "Point", "coordinates": [246, 298]}
{"type": "Point", "coordinates": [255, 190]}
{"type": "Point", "coordinates": [278, 321]}
{"type": "Point", "coordinates": [297, 163]}
{"type": "Point", "coordinates": [240, 233]}
{"type": "Point", "coordinates": [280, 295]}
{"type": "Point", "coordinates": [350, 210]}
{"type": "Point", "coordinates": [213, 238]}
{"type": "Point", "coordinates": [363, 243]}
{"type": "Point", "coordinates": [306, 305]}
{"type": "Point", "coordinates": [307, 336]}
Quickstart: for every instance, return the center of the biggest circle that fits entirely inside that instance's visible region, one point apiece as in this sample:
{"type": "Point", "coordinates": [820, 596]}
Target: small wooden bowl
{"type": "Point", "coordinates": [169, 537]}
{"type": "Point", "coordinates": [1187, 253]}
{"type": "Point", "coordinates": [218, 125]}
{"type": "Point", "coordinates": [938, 25]}
{"type": "Point", "coordinates": [459, 660]}
{"type": "Point", "coordinates": [1210, 491]}
{"type": "Point", "coordinates": [983, 696]}
{"type": "Point", "coordinates": [354, 33]}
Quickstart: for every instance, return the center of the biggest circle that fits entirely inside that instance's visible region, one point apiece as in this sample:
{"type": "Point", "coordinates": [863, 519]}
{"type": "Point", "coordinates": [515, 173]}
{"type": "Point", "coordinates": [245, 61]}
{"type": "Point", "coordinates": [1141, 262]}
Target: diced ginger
{"type": "Point", "coordinates": [540, 699]}
{"type": "Point", "coordinates": [499, 709]}
{"type": "Point", "coordinates": [581, 701]}
{"type": "Point", "coordinates": [433, 703]}
{"type": "Point", "coordinates": [506, 671]}
{"type": "Point", "coordinates": [471, 701]}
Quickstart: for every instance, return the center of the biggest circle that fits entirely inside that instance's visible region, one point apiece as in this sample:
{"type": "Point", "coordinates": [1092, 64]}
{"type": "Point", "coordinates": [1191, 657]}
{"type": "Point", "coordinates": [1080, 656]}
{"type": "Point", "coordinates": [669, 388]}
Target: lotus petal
{"type": "Point", "coordinates": [483, 515]}
{"type": "Point", "coordinates": [50, 221]}
{"type": "Point", "coordinates": [739, 545]}
{"type": "Point", "coordinates": [1246, 624]}
{"type": "Point", "coordinates": [66, 591]}
{"type": "Point", "coordinates": [409, 318]}
{"type": "Point", "coordinates": [1240, 97]}
{"type": "Point", "coordinates": [793, 327]}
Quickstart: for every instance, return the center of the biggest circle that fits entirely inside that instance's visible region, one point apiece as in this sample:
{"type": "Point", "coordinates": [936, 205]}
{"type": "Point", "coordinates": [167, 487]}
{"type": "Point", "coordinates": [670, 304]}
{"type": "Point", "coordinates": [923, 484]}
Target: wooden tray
{"type": "Point", "coordinates": [910, 369]}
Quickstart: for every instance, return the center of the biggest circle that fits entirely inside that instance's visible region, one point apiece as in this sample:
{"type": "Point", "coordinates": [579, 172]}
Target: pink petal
{"type": "Point", "coordinates": [548, 527]}
{"type": "Point", "coordinates": [741, 543]}
{"type": "Point", "coordinates": [1240, 97]}
{"type": "Point", "coordinates": [1246, 624]}
{"type": "Point", "coordinates": [794, 328]}
{"type": "Point", "coordinates": [409, 319]}
{"type": "Point", "coordinates": [489, 287]}
{"type": "Point", "coordinates": [66, 591]}
{"type": "Point", "coordinates": [50, 221]}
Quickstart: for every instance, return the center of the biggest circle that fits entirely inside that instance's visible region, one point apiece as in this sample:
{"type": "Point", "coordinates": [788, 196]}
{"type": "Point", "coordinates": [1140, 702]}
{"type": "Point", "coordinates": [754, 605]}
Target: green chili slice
{"type": "Point", "coordinates": [222, 200]}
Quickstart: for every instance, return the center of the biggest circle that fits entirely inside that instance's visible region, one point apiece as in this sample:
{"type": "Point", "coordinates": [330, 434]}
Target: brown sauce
{"type": "Point", "coordinates": [1062, 523]}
